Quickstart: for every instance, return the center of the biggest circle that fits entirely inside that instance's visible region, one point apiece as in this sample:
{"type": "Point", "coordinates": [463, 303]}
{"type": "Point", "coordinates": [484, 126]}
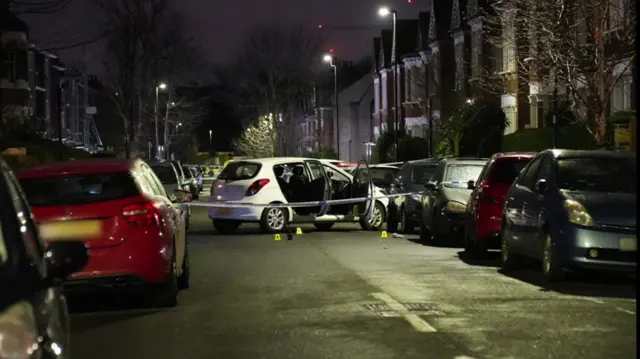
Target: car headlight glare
{"type": "Point", "coordinates": [577, 213]}
{"type": "Point", "coordinates": [455, 207]}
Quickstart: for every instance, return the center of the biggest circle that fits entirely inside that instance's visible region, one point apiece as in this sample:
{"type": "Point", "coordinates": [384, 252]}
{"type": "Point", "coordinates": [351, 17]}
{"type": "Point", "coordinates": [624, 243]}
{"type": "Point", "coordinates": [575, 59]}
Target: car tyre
{"type": "Point", "coordinates": [551, 270]}
{"type": "Point", "coordinates": [183, 279]}
{"type": "Point", "coordinates": [325, 226]}
{"type": "Point", "coordinates": [167, 296]}
{"type": "Point", "coordinates": [274, 220]}
{"type": "Point", "coordinates": [225, 227]}
{"type": "Point", "coordinates": [508, 259]}
{"type": "Point", "coordinates": [425, 234]}
{"type": "Point", "coordinates": [471, 247]}
{"type": "Point", "coordinates": [405, 226]}
{"type": "Point", "coordinates": [375, 220]}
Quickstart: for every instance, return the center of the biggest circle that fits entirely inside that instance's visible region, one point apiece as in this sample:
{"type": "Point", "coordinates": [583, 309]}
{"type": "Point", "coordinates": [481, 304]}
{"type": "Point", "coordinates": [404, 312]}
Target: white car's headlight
{"type": "Point", "coordinates": [578, 214]}
{"type": "Point", "coordinates": [18, 335]}
{"type": "Point", "coordinates": [455, 207]}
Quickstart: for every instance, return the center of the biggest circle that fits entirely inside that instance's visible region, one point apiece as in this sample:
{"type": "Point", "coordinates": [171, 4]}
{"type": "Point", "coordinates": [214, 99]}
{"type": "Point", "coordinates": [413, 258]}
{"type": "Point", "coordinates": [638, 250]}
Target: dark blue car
{"type": "Point", "coordinates": [573, 210]}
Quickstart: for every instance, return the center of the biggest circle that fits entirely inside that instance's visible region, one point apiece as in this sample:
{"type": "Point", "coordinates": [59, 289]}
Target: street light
{"type": "Point", "coordinates": [385, 12]}
{"type": "Point", "coordinates": [329, 59]}
{"type": "Point", "coordinates": [210, 141]}
{"type": "Point", "coordinates": [160, 86]}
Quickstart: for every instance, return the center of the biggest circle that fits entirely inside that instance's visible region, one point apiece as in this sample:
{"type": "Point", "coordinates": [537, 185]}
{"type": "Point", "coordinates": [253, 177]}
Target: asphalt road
{"type": "Point", "coordinates": [350, 294]}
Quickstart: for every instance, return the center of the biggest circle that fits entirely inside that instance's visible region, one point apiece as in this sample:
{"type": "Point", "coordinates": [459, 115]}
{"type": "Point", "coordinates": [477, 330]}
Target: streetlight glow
{"type": "Point", "coordinates": [162, 86]}
{"type": "Point", "coordinates": [384, 11]}
{"type": "Point", "coordinates": [327, 58]}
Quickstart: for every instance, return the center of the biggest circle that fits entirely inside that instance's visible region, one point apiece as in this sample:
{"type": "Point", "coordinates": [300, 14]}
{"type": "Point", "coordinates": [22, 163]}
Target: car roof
{"type": "Point", "coordinates": [391, 167]}
{"type": "Point", "coordinates": [513, 154]}
{"type": "Point", "coordinates": [561, 153]}
{"type": "Point", "coordinates": [465, 160]}
{"type": "Point", "coordinates": [424, 161]}
{"type": "Point", "coordinates": [96, 165]}
{"type": "Point", "coordinates": [280, 160]}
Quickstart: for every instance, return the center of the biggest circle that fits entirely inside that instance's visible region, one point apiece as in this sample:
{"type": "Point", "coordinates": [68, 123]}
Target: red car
{"type": "Point", "coordinates": [487, 200]}
{"type": "Point", "coordinates": [140, 237]}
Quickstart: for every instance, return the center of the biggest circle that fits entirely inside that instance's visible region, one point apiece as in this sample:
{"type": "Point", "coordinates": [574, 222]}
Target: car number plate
{"type": "Point", "coordinates": [628, 244]}
{"type": "Point", "coordinates": [224, 212]}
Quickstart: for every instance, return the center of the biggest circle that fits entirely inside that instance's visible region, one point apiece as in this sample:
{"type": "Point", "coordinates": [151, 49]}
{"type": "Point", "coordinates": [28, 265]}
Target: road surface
{"type": "Point", "coordinates": [350, 294]}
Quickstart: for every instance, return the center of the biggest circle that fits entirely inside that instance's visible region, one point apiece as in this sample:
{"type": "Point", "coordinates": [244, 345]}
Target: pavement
{"type": "Point", "coordinates": [349, 294]}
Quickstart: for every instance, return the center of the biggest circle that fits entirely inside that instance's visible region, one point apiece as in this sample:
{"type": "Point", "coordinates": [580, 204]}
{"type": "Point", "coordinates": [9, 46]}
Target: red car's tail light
{"type": "Point", "coordinates": [141, 214]}
{"type": "Point", "coordinates": [256, 186]}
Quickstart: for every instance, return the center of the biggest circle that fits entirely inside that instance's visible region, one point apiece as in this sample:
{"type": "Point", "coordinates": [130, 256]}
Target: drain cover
{"type": "Point", "coordinates": [378, 307]}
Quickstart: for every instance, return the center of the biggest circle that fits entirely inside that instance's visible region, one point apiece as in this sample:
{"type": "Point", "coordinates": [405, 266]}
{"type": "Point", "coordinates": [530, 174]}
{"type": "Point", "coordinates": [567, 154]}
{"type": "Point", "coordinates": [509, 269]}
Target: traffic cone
{"type": "Point", "coordinates": [384, 234]}
{"type": "Point", "coordinates": [298, 231]}
{"type": "Point", "coordinates": [277, 237]}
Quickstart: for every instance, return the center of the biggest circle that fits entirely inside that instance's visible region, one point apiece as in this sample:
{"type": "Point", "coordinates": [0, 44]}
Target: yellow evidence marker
{"type": "Point", "coordinates": [384, 234]}
{"type": "Point", "coordinates": [277, 237]}
{"type": "Point", "coordinates": [298, 231]}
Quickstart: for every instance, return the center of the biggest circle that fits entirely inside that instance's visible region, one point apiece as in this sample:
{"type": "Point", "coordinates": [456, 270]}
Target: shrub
{"type": "Point", "coordinates": [539, 139]}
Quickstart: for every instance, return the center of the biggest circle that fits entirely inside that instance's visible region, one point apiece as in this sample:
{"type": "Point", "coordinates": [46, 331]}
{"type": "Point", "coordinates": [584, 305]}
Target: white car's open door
{"type": "Point", "coordinates": [362, 187]}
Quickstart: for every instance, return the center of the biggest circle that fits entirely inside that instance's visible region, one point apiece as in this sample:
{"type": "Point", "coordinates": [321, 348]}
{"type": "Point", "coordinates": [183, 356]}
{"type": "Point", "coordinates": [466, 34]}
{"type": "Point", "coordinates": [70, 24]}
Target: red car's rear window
{"type": "Point", "coordinates": [77, 189]}
{"type": "Point", "coordinates": [506, 169]}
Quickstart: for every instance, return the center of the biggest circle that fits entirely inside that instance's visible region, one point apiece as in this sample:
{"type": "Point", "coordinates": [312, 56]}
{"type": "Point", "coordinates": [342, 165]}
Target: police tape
{"type": "Point", "coordinates": [231, 204]}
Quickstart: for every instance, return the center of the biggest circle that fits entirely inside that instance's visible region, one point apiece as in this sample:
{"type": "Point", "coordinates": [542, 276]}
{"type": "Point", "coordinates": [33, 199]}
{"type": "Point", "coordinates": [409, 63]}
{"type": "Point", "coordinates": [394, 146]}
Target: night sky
{"type": "Point", "coordinates": [219, 25]}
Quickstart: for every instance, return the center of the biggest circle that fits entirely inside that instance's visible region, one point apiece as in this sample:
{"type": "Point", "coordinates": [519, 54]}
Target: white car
{"type": "Point", "coordinates": [291, 180]}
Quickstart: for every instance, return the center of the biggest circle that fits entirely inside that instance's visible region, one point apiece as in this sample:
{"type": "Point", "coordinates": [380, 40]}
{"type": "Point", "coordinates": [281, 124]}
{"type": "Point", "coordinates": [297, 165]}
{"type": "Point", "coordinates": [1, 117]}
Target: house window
{"type": "Point", "coordinates": [512, 119]}
{"type": "Point", "coordinates": [498, 59]}
{"type": "Point", "coordinates": [10, 66]}
{"type": "Point", "coordinates": [617, 13]}
{"type": "Point", "coordinates": [408, 97]}
{"type": "Point", "coordinates": [459, 53]}
{"type": "Point", "coordinates": [384, 84]}
{"type": "Point", "coordinates": [476, 50]}
{"type": "Point", "coordinates": [376, 90]}
{"type": "Point", "coordinates": [509, 42]}
{"type": "Point", "coordinates": [621, 95]}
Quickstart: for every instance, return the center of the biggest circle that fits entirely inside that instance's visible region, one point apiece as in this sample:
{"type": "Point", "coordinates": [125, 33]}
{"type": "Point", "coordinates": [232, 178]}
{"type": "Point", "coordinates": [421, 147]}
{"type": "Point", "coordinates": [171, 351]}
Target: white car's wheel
{"type": "Point", "coordinates": [375, 220]}
{"type": "Point", "coordinates": [274, 220]}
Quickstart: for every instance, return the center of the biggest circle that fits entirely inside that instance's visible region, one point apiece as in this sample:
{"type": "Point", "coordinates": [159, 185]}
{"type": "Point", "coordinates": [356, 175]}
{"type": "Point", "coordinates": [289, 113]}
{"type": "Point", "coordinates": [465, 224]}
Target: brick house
{"type": "Point", "coordinates": [14, 80]}
{"type": "Point", "coordinates": [415, 90]}
{"type": "Point", "coordinates": [315, 129]}
{"type": "Point", "coordinates": [440, 61]}
{"type": "Point", "coordinates": [383, 111]}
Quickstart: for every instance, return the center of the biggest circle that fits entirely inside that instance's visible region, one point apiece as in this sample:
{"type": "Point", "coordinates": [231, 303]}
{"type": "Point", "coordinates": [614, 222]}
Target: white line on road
{"type": "Point", "coordinates": [594, 300]}
{"type": "Point", "coordinates": [463, 357]}
{"type": "Point", "coordinates": [416, 322]}
{"type": "Point", "coordinates": [626, 311]}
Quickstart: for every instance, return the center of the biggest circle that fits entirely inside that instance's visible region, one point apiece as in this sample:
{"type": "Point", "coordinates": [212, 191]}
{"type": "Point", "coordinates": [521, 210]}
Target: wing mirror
{"type": "Point", "coordinates": [430, 186]}
{"type": "Point", "coordinates": [62, 258]}
{"type": "Point", "coordinates": [541, 186]}
{"type": "Point", "coordinates": [181, 196]}
{"type": "Point", "coordinates": [330, 174]}
{"type": "Point", "coordinates": [471, 184]}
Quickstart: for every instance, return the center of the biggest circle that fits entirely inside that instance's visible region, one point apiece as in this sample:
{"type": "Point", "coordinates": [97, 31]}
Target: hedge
{"type": "Point", "coordinates": [39, 151]}
{"type": "Point", "coordinates": [538, 139]}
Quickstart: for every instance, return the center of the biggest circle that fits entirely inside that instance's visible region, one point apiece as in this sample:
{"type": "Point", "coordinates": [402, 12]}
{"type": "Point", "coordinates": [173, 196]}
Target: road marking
{"type": "Point", "coordinates": [626, 311]}
{"type": "Point", "coordinates": [463, 357]}
{"type": "Point", "coordinates": [594, 300]}
{"type": "Point", "coordinates": [416, 322]}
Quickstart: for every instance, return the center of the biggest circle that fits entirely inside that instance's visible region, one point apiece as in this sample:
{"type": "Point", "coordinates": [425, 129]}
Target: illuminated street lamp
{"type": "Point", "coordinates": [160, 86]}
{"type": "Point", "coordinates": [329, 59]}
{"type": "Point", "coordinates": [385, 12]}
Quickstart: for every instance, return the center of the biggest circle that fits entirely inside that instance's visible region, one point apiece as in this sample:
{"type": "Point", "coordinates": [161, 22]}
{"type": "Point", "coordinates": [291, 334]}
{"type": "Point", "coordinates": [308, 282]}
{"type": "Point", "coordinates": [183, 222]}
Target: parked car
{"type": "Point", "coordinates": [382, 175]}
{"type": "Point", "coordinates": [444, 203]}
{"type": "Point", "coordinates": [190, 182]}
{"type": "Point", "coordinates": [486, 204]}
{"type": "Point", "coordinates": [34, 322]}
{"type": "Point", "coordinates": [262, 181]}
{"type": "Point", "coordinates": [142, 243]}
{"type": "Point", "coordinates": [404, 211]}
{"type": "Point", "coordinates": [573, 210]}
{"type": "Point", "coordinates": [169, 177]}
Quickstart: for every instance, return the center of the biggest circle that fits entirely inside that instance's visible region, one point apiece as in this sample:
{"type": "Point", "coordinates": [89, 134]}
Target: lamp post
{"type": "Point", "coordinates": [329, 59]}
{"type": "Point", "coordinates": [210, 141]}
{"type": "Point", "coordinates": [160, 86]}
{"type": "Point", "coordinates": [385, 12]}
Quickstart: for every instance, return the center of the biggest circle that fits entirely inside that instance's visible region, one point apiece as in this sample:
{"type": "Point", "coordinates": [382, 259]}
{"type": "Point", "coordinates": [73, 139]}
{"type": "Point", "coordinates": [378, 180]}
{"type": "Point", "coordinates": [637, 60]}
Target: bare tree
{"type": "Point", "coordinates": [578, 47]}
{"type": "Point", "coordinates": [181, 117]}
{"type": "Point", "coordinates": [276, 69]}
{"type": "Point", "coordinates": [35, 6]}
{"type": "Point", "coordinates": [146, 46]}
{"type": "Point", "coordinates": [258, 140]}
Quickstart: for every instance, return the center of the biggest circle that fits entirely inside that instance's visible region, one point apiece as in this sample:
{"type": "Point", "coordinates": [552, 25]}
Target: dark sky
{"type": "Point", "coordinates": [219, 25]}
